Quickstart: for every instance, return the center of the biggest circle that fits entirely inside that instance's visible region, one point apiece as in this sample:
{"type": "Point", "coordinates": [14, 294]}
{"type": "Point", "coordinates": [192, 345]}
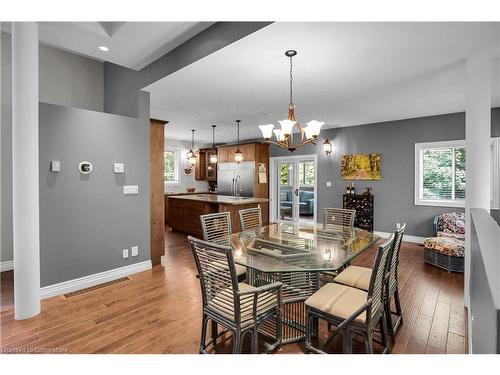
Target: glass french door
{"type": "Point", "coordinates": [294, 181]}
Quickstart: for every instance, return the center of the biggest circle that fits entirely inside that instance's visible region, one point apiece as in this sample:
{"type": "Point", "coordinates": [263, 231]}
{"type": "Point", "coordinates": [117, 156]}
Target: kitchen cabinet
{"type": "Point", "coordinates": [203, 169]}
{"type": "Point", "coordinates": [226, 153]}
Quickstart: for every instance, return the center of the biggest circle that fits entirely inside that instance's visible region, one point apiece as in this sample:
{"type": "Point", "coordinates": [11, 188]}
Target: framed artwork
{"type": "Point", "coordinates": [361, 167]}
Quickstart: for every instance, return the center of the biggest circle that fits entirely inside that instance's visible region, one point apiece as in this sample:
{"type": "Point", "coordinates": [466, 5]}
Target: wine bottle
{"type": "Point", "coordinates": [353, 189]}
{"type": "Point", "coordinates": [348, 189]}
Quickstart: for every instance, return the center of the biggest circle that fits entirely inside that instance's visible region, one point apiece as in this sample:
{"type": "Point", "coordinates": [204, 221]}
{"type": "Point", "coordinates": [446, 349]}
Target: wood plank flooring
{"type": "Point", "coordinates": [158, 311]}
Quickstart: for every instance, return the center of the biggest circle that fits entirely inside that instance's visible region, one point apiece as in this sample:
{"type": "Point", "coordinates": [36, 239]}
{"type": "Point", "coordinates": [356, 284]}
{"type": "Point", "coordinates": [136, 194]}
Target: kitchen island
{"type": "Point", "coordinates": [185, 210]}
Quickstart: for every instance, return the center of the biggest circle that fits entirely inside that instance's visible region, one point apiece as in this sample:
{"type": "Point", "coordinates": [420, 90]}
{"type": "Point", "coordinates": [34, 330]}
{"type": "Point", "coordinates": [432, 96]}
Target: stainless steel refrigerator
{"type": "Point", "coordinates": [227, 174]}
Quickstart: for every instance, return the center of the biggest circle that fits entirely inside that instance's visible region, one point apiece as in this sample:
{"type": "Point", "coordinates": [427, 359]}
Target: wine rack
{"type": "Point", "coordinates": [363, 204]}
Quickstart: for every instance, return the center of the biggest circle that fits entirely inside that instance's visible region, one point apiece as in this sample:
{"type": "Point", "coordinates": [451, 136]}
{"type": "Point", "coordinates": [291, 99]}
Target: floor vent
{"type": "Point", "coordinates": [95, 287]}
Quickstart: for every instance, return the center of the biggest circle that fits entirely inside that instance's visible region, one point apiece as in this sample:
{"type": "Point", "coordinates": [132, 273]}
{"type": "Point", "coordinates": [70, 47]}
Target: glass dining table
{"type": "Point", "coordinates": [302, 257]}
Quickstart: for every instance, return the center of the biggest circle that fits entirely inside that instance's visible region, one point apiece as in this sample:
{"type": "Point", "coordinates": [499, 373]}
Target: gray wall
{"type": "Point", "coordinates": [122, 85]}
{"type": "Point", "coordinates": [86, 221]}
{"type": "Point", "coordinates": [395, 140]}
{"type": "Point", "coordinates": [6, 150]}
{"type": "Point", "coordinates": [70, 80]}
{"type": "Point", "coordinates": [65, 79]}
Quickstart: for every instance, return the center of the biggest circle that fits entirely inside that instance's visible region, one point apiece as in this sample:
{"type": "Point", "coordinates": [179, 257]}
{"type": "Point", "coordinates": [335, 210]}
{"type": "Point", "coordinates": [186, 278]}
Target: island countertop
{"type": "Point", "coordinates": [220, 199]}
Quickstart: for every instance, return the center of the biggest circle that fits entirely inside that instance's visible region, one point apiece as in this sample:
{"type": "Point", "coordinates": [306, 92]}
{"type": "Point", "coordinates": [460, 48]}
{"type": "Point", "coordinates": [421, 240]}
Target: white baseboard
{"type": "Point", "coordinates": [91, 280]}
{"type": "Point", "coordinates": [8, 265]}
{"type": "Point", "coordinates": [407, 238]}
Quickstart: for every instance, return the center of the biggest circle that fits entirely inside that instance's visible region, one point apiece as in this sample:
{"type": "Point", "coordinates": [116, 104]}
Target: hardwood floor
{"type": "Point", "coordinates": [158, 311]}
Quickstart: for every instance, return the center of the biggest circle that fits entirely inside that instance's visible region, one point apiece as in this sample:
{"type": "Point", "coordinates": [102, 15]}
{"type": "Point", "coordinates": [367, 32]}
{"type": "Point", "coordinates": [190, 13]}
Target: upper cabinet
{"type": "Point", "coordinates": [204, 170]}
{"type": "Point", "coordinates": [226, 153]}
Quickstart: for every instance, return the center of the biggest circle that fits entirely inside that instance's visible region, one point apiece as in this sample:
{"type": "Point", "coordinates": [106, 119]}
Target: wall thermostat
{"type": "Point", "coordinates": [85, 167]}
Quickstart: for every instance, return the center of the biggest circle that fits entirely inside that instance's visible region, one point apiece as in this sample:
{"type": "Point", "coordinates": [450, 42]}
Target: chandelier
{"type": "Point", "coordinates": [284, 135]}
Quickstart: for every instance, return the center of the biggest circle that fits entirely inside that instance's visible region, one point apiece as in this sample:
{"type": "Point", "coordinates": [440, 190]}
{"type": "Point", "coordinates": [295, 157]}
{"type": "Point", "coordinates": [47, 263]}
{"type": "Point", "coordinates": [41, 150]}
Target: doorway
{"type": "Point", "coordinates": [293, 189]}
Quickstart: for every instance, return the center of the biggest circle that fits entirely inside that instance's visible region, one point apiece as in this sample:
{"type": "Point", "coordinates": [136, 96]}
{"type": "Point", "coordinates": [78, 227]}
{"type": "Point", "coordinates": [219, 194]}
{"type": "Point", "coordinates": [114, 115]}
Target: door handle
{"type": "Point", "coordinates": [296, 192]}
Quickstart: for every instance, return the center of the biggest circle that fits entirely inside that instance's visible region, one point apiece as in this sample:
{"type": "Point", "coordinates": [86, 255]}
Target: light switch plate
{"type": "Point", "coordinates": [131, 189]}
{"type": "Point", "coordinates": [135, 250]}
{"type": "Point", "coordinates": [328, 183]}
{"type": "Point", "coordinates": [125, 253]}
{"type": "Point", "coordinates": [55, 166]}
{"type": "Point", "coordinates": [118, 168]}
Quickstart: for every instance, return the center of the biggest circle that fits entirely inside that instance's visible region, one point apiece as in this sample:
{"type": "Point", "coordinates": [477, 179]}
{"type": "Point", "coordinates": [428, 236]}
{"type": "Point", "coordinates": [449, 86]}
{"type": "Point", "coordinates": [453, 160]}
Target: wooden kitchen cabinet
{"type": "Point", "coordinates": [226, 153]}
{"type": "Point", "coordinates": [203, 169]}
{"type": "Point", "coordinates": [200, 173]}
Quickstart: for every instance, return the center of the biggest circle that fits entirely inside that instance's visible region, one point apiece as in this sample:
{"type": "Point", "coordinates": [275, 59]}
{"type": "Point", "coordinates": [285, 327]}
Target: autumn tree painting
{"type": "Point", "coordinates": [361, 167]}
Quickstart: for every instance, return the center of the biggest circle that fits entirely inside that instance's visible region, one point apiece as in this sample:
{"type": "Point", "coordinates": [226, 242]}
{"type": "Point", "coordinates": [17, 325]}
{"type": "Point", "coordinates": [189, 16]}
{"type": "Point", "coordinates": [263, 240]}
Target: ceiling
{"type": "Point", "coordinates": [131, 44]}
{"type": "Point", "coordinates": [344, 74]}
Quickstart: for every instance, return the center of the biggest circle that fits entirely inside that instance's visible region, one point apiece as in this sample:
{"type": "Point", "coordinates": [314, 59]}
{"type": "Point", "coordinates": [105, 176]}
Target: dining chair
{"type": "Point", "coordinates": [359, 277]}
{"type": "Point", "coordinates": [352, 310]}
{"type": "Point", "coordinates": [237, 307]}
{"type": "Point", "coordinates": [338, 218]}
{"type": "Point", "coordinates": [217, 229]}
{"type": "Point", "coordinates": [250, 219]}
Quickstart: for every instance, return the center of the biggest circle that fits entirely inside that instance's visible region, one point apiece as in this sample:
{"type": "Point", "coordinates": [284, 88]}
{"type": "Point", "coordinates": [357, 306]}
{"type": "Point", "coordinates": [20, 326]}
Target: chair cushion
{"type": "Point", "coordinates": [452, 222]}
{"type": "Point", "coordinates": [458, 236]}
{"type": "Point", "coordinates": [446, 245]}
{"type": "Point", "coordinates": [224, 305]}
{"type": "Point", "coordinates": [358, 277]}
{"type": "Point", "coordinates": [339, 300]}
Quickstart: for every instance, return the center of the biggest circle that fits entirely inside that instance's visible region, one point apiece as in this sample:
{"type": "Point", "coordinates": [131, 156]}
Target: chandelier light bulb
{"type": "Point", "coordinates": [287, 126]}
{"type": "Point", "coordinates": [267, 131]}
{"type": "Point", "coordinates": [313, 128]}
{"type": "Point", "coordinates": [279, 136]}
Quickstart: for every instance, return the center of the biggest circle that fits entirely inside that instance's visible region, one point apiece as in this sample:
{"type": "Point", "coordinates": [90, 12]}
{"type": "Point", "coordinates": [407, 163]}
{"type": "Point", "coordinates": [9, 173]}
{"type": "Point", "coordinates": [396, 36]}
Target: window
{"type": "Point", "coordinates": [306, 173]}
{"type": "Point", "coordinates": [440, 173]}
{"type": "Point", "coordinates": [171, 161]}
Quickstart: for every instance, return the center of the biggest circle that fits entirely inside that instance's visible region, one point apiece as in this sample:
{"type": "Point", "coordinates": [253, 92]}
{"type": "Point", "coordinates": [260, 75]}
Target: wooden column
{"type": "Point", "coordinates": [157, 208]}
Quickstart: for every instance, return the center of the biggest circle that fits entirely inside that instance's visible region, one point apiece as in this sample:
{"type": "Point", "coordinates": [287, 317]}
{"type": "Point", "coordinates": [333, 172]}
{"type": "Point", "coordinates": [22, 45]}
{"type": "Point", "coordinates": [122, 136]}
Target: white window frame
{"type": "Point", "coordinates": [177, 152]}
{"type": "Point", "coordinates": [495, 173]}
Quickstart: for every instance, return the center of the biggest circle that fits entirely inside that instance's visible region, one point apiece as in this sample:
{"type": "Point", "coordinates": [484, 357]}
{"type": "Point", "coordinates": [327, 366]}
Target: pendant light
{"type": "Point", "coordinates": [191, 155]}
{"type": "Point", "coordinates": [238, 155]}
{"type": "Point", "coordinates": [213, 155]}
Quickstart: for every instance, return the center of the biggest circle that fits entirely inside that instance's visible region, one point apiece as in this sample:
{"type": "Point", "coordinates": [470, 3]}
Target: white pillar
{"type": "Point", "coordinates": [25, 169]}
{"type": "Point", "coordinates": [477, 141]}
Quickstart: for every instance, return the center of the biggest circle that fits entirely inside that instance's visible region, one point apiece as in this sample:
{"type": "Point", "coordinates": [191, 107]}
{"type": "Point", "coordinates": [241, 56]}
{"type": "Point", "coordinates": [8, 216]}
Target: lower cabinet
{"type": "Point", "coordinates": [184, 215]}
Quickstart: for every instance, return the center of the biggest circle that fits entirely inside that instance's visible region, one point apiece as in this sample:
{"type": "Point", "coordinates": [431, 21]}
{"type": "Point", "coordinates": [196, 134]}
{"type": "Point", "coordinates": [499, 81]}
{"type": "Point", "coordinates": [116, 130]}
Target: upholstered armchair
{"type": "Point", "coordinates": [446, 248]}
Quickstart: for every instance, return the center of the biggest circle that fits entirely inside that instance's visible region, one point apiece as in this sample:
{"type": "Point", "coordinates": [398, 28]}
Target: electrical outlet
{"type": "Point", "coordinates": [328, 183]}
{"type": "Point", "coordinates": [125, 253]}
{"type": "Point", "coordinates": [135, 250]}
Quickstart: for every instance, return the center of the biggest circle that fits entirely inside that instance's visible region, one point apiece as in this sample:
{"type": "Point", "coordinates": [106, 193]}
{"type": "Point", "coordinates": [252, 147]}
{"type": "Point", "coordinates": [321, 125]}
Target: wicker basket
{"type": "Point", "coordinates": [444, 261]}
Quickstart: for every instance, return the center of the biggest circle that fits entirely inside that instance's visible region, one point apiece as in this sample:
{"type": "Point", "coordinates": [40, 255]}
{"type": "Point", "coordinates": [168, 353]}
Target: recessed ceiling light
{"type": "Point", "coordinates": [104, 48]}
